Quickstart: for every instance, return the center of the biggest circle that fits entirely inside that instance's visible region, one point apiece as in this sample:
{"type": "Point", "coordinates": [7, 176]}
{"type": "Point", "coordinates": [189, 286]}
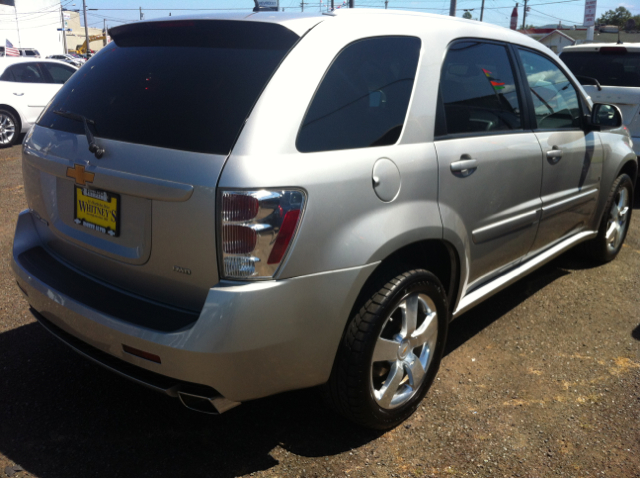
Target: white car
{"type": "Point", "coordinates": [76, 62]}
{"type": "Point", "coordinates": [610, 73]}
{"type": "Point", "coordinates": [26, 86]}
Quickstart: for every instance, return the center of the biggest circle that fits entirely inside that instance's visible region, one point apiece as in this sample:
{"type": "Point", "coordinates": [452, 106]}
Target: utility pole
{"type": "Point", "coordinates": [352, 3]}
{"type": "Point", "coordinates": [104, 32]}
{"type": "Point", "coordinates": [524, 15]}
{"type": "Point", "coordinates": [141, 14]}
{"type": "Point", "coordinates": [332, 6]}
{"type": "Point", "coordinates": [302, 5]}
{"type": "Point", "coordinates": [86, 28]}
{"type": "Point", "coordinates": [18, 27]}
{"type": "Point", "coordinates": [482, 10]}
{"type": "Point", "coordinates": [452, 8]}
{"type": "Point", "coordinates": [386, 2]}
{"type": "Point", "coordinates": [64, 31]}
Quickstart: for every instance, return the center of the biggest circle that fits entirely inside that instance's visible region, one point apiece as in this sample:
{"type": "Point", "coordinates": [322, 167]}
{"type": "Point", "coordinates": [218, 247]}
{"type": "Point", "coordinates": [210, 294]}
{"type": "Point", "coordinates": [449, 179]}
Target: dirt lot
{"type": "Point", "coordinates": [541, 380]}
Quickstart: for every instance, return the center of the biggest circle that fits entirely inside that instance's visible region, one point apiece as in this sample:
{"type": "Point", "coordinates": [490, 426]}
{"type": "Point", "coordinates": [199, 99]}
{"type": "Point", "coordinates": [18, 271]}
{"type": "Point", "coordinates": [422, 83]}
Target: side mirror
{"type": "Point", "coordinates": [605, 117]}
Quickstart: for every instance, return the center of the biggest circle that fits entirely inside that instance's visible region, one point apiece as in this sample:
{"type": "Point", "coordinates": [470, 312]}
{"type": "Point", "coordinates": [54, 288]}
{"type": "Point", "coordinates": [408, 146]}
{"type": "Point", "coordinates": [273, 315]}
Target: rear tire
{"type": "Point", "coordinates": [391, 351]}
{"type": "Point", "coordinates": [9, 129]}
{"type": "Point", "coordinates": [614, 224]}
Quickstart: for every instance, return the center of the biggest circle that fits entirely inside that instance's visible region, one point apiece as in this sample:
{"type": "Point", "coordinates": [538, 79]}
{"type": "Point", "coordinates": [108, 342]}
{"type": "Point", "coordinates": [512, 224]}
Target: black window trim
{"type": "Point", "coordinates": [585, 109]}
{"type": "Point", "coordinates": [404, 124]}
{"type": "Point", "coordinates": [441, 122]}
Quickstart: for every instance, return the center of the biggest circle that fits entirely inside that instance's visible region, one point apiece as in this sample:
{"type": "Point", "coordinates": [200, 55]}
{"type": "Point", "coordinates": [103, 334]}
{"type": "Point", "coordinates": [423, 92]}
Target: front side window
{"type": "Point", "coordinates": [555, 101]}
{"type": "Point", "coordinates": [478, 89]}
{"type": "Point", "coordinates": [363, 98]}
{"type": "Point", "coordinates": [23, 73]}
{"type": "Point", "coordinates": [58, 73]}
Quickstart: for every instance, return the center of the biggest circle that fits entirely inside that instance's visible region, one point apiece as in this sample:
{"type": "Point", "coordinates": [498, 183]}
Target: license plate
{"type": "Point", "coordinates": [97, 210]}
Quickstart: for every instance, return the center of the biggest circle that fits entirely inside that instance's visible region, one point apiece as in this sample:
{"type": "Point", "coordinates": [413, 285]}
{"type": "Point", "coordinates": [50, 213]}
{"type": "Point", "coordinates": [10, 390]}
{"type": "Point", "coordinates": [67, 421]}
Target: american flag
{"type": "Point", "coordinates": [10, 51]}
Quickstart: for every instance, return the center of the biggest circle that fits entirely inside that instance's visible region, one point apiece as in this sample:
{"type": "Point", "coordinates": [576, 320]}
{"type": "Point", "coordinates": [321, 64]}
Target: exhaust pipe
{"type": "Point", "coordinates": [208, 405]}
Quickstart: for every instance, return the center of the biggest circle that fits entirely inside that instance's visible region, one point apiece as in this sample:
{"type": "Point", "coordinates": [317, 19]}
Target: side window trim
{"type": "Point", "coordinates": [582, 102]}
{"type": "Point", "coordinates": [440, 128]}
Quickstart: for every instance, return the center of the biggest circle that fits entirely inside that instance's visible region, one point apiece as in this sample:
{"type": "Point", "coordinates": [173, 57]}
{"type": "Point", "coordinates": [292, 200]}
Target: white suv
{"type": "Point", "coordinates": [610, 74]}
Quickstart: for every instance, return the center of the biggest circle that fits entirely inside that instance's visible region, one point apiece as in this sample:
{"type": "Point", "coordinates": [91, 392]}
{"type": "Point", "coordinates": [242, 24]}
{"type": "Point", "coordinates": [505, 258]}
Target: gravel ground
{"type": "Point", "coordinates": [543, 379]}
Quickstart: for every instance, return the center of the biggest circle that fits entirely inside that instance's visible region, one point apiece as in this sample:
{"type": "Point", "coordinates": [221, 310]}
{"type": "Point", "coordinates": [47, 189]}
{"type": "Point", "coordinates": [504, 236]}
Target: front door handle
{"type": "Point", "coordinates": [555, 154]}
{"type": "Point", "coordinates": [464, 165]}
{"type": "Point", "coordinates": [18, 94]}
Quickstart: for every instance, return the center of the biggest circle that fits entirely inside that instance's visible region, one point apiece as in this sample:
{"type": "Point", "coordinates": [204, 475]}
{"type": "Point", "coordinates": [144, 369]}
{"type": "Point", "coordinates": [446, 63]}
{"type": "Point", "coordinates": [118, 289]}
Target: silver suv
{"type": "Point", "coordinates": [227, 207]}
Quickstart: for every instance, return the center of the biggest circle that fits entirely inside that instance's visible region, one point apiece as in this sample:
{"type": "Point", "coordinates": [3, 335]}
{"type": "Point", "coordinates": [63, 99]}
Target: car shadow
{"type": "Point", "coordinates": [635, 334]}
{"type": "Point", "coordinates": [61, 415]}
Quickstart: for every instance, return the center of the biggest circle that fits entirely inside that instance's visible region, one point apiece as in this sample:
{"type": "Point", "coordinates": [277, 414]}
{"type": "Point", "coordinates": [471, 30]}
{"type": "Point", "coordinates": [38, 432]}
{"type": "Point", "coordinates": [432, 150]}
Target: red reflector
{"type": "Point", "coordinates": [284, 237]}
{"type": "Point", "coordinates": [141, 354]}
{"type": "Point", "coordinates": [239, 207]}
{"type": "Point", "coordinates": [237, 239]}
{"type": "Point", "coordinates": [613, 50]}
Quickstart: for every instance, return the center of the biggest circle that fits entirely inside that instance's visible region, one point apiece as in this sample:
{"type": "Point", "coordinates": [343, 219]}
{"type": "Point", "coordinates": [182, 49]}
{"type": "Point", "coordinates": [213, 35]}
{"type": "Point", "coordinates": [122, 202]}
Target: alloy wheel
{"type": "Point", "coordinates": [404, 350]}
{"type": "Point", "coordinates": [7, 129]}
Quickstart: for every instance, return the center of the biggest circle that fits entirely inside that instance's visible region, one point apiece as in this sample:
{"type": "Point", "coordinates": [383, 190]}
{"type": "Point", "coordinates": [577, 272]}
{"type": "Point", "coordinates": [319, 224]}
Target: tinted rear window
{"type": "Point", "coordinates": [612, 69]}
{"type": "Point", "coordinates": [180, 85]}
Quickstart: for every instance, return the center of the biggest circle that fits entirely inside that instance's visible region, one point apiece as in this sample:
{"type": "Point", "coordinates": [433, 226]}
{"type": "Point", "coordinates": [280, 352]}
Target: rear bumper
{"type": "Point", "coordinates": [250, 340]}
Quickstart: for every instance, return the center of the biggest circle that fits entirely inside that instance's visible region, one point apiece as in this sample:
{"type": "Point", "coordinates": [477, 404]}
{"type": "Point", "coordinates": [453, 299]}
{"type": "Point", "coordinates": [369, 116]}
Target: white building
{"type": "Point", "coordinates": [32, 24]}
{"type": "Point", "coordinates": [557, 40]}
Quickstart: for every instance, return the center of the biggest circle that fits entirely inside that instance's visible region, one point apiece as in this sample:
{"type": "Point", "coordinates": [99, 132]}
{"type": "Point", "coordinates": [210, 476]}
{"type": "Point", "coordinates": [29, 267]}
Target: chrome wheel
{"type": "Point", "coordinates": [7, 129]}
{"type": "Point", "coordinates": [404, 350]}
{"type": "Point", "coordinates": [618, 220]}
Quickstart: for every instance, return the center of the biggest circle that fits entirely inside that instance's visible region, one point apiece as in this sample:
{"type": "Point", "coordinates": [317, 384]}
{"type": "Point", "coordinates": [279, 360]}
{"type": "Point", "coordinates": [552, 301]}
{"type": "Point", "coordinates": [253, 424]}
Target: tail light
{"type": "Point", "coordinates": [257, 228]}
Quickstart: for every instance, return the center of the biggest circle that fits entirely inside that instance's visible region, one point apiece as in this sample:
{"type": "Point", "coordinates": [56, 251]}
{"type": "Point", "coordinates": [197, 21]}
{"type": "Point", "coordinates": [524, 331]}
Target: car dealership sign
{"type": "Point", "coordinates": [590, 12]}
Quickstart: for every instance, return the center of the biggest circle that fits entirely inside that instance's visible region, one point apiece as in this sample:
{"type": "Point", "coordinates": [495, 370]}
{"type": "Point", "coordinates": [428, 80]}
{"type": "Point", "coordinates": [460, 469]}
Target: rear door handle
{"type": "Point", "coordinates": [555, 154]}
{"type": "Point", "coordinates": [462, 165]}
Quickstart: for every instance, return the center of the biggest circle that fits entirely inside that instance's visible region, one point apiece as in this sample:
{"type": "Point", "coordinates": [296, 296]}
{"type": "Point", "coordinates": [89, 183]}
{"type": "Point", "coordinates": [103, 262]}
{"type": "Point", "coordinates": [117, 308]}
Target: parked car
{"type": "Point", "coordinates": [610, 74]}
{"type": "Point", "coordinates": [25, 89]}
{"type": "Point", "coordinates": [77, 57]}
{"type": "Point", "coordinates": [29, 52]}
{"type": "Point", "coordinates": [222, 237]}
{"type": "Point", "coordinates": [67, 59]}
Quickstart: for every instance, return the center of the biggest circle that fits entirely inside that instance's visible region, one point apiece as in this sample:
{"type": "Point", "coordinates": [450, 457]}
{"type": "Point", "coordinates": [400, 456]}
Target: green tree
{"type": "Point", "coordinates": [467, 15]}
{"type": "Point", "coordinates": [618, 17]}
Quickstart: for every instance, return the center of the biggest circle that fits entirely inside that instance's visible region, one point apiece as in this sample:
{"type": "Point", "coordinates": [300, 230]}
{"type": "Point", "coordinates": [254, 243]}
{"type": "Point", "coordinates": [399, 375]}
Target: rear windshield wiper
{"type": "Point", "coordinates": [93, 146]}
{"type": "Point", "coordinates": [592, 81]}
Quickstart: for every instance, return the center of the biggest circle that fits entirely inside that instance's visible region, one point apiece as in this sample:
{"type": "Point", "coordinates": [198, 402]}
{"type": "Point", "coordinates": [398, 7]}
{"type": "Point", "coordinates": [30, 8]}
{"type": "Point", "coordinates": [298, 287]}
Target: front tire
{"type": "Point", "coordinates": [615, 222]}
{"type": "Point", "coordinates": [391, 351]}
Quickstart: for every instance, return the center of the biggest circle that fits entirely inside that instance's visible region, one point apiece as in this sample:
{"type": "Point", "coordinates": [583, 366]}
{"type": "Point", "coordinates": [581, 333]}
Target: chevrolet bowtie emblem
{"type": "Point", "coordinates": [82, 177]}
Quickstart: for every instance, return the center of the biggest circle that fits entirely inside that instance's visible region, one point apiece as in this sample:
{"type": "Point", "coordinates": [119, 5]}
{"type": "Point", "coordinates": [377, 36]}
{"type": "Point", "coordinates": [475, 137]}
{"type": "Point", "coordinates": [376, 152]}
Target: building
{"type": "Point", "coordinates": [76, 36]}
{"type": "Point", "coordinates": [32, 24]}
{"type": "Point", "coordinates": [557, 40]}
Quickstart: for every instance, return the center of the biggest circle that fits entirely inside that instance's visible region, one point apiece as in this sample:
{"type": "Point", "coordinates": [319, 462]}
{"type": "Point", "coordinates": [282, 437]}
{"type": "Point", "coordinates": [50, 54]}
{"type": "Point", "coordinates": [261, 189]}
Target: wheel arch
{"type": "Point", "coordinates": [435, 255]}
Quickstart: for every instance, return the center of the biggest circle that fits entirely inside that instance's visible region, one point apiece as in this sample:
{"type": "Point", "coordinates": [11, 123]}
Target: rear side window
{"type": "Point", "coordinates": [362, 101]}
{"type": "Point", "coordinates": [478, 89]}
{"type": "Point", "coordinates": [24, 73]}
{"type": "Point", "coordinates": [612, 66]}
{"type": "Point", "coordinates": [185, 85]}
{"type": "Point", "coordinates": [555, 101]}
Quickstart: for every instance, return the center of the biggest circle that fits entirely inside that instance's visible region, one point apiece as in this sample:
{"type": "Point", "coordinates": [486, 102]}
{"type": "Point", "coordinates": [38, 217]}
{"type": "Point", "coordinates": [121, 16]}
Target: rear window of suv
{"type": "Point", "coordinates": [185, 85]}
{"type": "Point", "coordinates": [612, 66]}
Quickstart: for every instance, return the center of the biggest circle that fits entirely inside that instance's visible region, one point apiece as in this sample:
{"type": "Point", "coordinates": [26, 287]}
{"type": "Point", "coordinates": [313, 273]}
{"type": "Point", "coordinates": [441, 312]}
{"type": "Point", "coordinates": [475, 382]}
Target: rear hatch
{"type": "Point", "coordinates": [166, 101]}
{"type": "Point", "coordinates": [617, 70]}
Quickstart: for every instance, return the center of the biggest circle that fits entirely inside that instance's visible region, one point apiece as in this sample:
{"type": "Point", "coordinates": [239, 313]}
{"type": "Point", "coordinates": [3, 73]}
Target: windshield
{"type": "Point", "coordinates": [186, 85]}
{"type": "Point", "coordinates": [612, 69]}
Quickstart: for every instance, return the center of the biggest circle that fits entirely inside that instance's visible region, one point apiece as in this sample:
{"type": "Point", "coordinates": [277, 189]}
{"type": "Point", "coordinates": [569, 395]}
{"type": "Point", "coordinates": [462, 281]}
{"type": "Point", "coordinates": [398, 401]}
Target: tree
{"type": "Point", "coordinates": [467, 15]}
{"type": "Point", "coordinates": [618, 17]}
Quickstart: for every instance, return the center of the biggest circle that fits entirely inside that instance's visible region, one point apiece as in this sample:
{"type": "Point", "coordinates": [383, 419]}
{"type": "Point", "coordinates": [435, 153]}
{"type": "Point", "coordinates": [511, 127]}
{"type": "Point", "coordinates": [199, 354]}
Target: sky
{"type": "Point", "coordinates": [496, 11]}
